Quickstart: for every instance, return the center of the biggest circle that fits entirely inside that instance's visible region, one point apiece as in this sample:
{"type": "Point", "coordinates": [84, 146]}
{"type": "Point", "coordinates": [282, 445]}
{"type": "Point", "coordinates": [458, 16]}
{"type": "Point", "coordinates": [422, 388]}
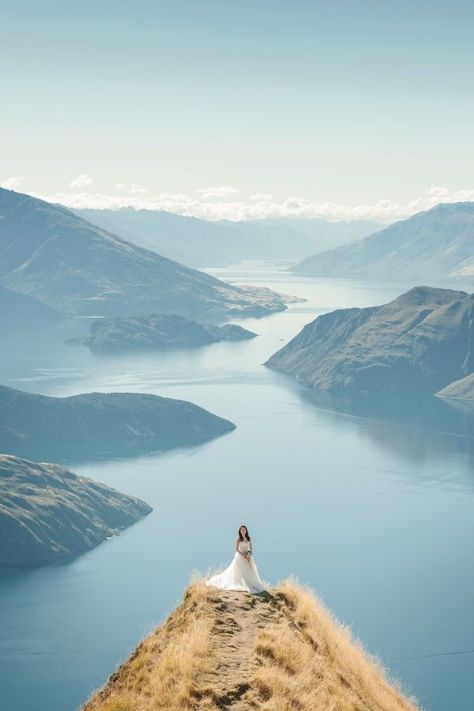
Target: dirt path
{"type": "Point", "coordinates": [238, 617]}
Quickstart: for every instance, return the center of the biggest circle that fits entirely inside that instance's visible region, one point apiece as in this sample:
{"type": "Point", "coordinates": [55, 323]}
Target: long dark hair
{"type": "Point", "coordinates": [247, 534]}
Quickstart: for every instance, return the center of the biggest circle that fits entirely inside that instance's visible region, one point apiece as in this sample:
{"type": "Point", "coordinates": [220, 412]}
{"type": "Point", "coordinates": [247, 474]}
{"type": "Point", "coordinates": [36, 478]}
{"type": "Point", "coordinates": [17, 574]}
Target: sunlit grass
{"type": "Point", "coordinates": [301, 659]}
{"type": "Point", "coordinates": [308, 661]}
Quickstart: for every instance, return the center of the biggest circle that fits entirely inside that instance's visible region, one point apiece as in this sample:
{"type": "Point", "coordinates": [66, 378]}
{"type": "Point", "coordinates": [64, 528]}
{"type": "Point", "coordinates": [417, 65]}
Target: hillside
{"type": "Point", "coordinates": [77, 268]}
{"type": "Point", "coordinates": [225, 650]}
{"type": "Point", "coordinates": [201, 243]}
{"type": "Point", "coordinates": [157, 331]}
{"type": "Point", "coordinates": [414, 345]}
{"type": "Point", "coordinates": [47, 512]}
{"type": "Point", "coordinates": [438, 243]}
{"type": "Point", "coordinates": [31, 423]}
{"type": "Point", "coordinates": [20, 313]}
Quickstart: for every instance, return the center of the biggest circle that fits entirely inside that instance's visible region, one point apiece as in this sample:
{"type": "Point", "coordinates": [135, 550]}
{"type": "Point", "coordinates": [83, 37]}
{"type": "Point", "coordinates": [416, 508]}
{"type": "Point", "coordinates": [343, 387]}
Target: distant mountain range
{"type": "Point", "coordinates": [201, 243]}
{"type": "Point", "coordinates": [415, 345]}
{"type": "Point", "coordinates": [76, 268]}
{"type": "Point", "coordinates": [156, 331]}
{"type": "Point", "coordinates": [38, 426]}
{"type": "Point", "coordinates": [47, 512]}
{"type": "Point", "coordinates": [438, 243]}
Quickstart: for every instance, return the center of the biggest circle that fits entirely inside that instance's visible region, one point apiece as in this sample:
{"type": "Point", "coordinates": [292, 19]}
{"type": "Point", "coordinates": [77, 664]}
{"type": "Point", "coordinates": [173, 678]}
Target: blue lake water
{"type": "Point", "coordinates": [376, 513]}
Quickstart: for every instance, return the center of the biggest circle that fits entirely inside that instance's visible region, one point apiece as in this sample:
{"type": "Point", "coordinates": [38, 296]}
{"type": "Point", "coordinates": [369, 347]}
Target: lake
{"type": "Point", "coordinates": [375, 511]}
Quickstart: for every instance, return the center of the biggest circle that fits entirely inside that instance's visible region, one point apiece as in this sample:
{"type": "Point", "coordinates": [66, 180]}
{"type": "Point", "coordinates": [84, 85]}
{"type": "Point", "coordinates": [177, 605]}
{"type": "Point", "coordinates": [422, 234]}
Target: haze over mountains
{"type": "Point", "coordinates": [21, 312]}
{"type": "Point", "coordinates": [79, 269]}
{"type": "Point", "coordinates": [438, 243]}
{"type": "Point", "coordinates": [415, 345]}
{"type": "Point", "coordinates": [201, 243]}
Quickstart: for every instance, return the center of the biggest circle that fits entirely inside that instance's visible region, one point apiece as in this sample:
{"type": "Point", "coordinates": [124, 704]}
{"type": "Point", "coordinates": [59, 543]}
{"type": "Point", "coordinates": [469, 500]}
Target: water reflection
{"type": "Point", "coordinates": [428, 430]}
{"type": "Point", "coordinates": [95, 451]}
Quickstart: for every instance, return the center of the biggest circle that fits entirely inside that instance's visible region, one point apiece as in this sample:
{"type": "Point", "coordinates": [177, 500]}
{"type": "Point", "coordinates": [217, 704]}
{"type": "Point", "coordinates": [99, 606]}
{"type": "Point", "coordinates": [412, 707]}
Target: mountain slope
{"type": "Point", "coordinates": [201, 243]}
{"type": "Point", "coordinates": [228, 650]}
{"type": "Point", "coordinates": [90, 421]}
{"type": "Point", "coordinates": [416, 344]}
{"type": "Point", "coordinates": [432, 244]}
{"type": "Point", "coordinates": [47, 512]}
{"type": "Point", "coordinates": [76, 268]}
{"type": "Point", "coordinates": [20, 313]}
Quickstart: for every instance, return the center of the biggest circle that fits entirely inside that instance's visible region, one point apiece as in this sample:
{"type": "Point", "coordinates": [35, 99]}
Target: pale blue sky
{"type": "Point", "coordinates": [347, 102]}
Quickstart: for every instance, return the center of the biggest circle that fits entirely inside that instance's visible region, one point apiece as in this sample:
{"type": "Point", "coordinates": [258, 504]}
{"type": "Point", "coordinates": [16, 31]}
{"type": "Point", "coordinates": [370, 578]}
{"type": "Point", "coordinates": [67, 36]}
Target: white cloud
{"type": "Point", "coordinates": [82, 181]}
{"type": "Point", "coordinates": [221, 192]}
{"type": "Point", "coordinates": [133, 189]}
{"type": "Point", "coordinates": [262, 197]}
{"type": "Point", "coordinates": [12, 183]}
{"type": "Point", "coordinates": [299, 207]}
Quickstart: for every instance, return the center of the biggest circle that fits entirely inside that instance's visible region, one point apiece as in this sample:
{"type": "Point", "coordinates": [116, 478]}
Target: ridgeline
{"type": "Point", "coordinates": [231, 650]}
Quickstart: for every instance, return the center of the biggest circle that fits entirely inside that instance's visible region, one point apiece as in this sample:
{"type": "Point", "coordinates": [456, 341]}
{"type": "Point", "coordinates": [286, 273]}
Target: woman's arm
{"type": "Point", "coordinates": [237, 545]}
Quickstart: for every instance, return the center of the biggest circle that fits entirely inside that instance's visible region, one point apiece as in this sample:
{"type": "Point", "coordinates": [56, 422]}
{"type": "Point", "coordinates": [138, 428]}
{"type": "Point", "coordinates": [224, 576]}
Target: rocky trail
{"type": "Point", "coordinates": [239, 616]}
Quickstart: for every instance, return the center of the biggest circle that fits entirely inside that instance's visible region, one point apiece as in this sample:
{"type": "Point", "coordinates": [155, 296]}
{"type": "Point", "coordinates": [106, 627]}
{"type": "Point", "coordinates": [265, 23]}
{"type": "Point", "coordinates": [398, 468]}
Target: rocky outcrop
{"type": "Point", "coordinates": [47, 512]}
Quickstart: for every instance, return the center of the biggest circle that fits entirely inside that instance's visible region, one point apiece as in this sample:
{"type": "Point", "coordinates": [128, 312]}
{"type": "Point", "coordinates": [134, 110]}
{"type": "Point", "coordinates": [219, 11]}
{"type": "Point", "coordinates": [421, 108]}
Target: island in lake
{"type": "Point", "coordinates": [156, 331]}
{"type": "Point", "coordinates": [47, 512]}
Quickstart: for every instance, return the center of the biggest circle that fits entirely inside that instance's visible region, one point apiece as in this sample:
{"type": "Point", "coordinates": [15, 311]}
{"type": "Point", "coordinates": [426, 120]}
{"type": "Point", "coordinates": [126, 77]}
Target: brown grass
{"type": "Point", "coordinates": [307, 660]}
{"type": "Point", "coordinates": [162, 672]}
{"type": "Point", "coordinates": [278, 651]}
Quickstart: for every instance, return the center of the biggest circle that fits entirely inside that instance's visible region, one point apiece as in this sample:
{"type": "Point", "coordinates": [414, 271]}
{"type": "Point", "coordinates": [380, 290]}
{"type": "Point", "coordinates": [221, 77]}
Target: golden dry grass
{"type": "Point", "coordinates": [278, 651]}
{"type": "Point", "coordinates": [162, 672]}
{"type": "Point", "coordinates": [308, 661]}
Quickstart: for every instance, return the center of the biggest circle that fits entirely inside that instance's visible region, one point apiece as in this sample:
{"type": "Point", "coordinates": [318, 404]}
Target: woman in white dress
{"type": "Point", "coordinates": [242, 573]}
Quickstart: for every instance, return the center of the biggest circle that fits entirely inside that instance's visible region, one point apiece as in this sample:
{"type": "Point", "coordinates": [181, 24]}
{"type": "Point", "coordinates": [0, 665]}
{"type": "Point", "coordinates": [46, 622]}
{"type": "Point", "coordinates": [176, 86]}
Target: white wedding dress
{"type": "Point", "coordinates": [241, 574]}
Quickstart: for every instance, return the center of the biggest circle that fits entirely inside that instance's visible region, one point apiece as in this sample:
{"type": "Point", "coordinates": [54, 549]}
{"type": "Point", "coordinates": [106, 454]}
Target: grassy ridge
{"type": "Point", "coordinates": [228, 650]}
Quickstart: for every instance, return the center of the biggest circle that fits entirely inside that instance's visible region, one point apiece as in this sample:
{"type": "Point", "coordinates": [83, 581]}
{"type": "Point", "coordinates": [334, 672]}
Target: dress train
{"type": "Point", "coordinates": [241, 574]}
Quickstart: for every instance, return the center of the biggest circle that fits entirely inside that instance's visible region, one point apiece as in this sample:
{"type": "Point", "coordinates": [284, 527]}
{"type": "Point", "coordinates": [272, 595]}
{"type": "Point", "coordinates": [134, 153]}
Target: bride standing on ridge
{"type": "Point", "coordinates": [242, 573]}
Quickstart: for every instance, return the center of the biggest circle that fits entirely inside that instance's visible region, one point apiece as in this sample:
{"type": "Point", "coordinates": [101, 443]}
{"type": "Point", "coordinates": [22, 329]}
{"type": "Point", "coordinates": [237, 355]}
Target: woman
{"type": "Point", "coordinates": [242, 573]}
